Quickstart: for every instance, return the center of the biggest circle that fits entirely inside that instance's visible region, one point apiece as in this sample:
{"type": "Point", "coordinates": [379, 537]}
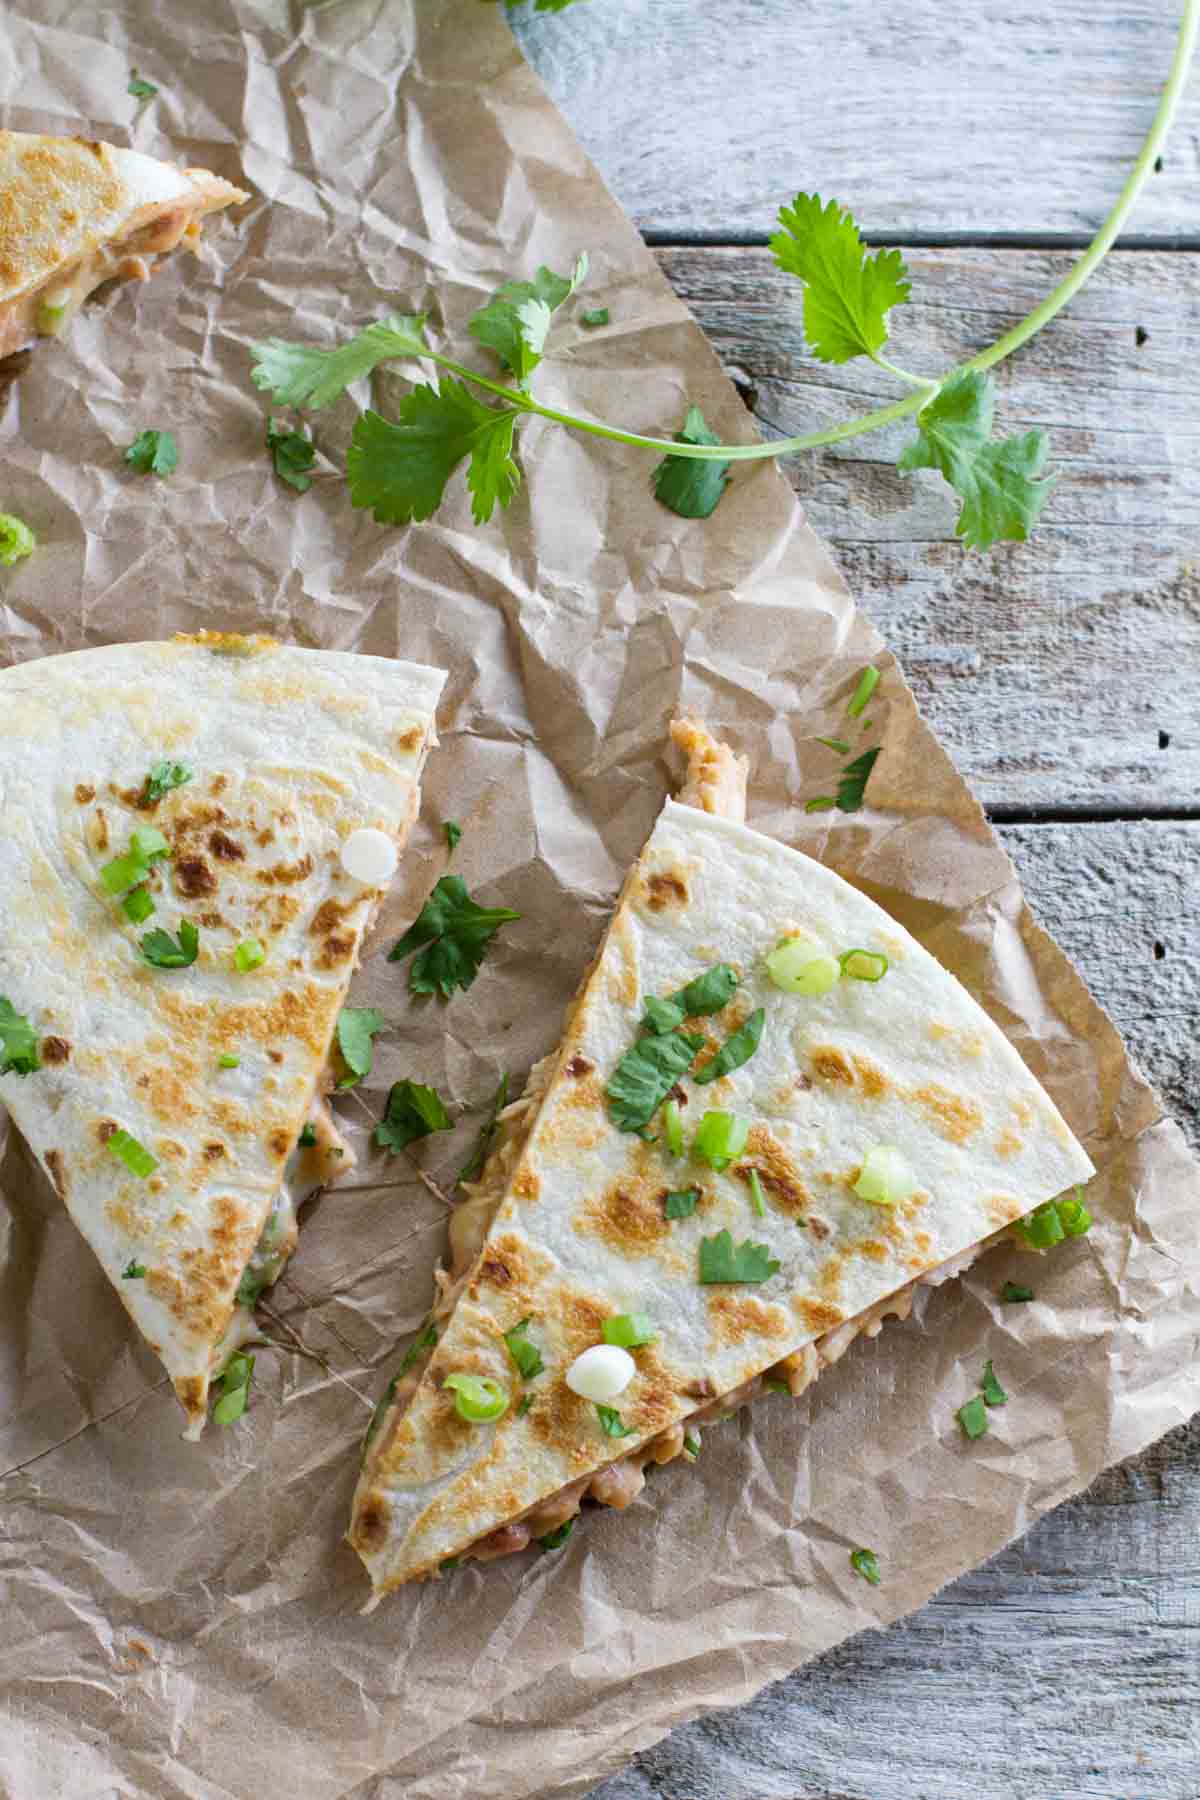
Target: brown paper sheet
{"type": "Point", "coordinates": [183, 1620]}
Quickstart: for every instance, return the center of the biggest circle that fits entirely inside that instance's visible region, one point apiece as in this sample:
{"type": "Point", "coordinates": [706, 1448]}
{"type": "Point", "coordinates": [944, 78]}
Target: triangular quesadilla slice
{"type": "Point", "coordinates": [195, 836]}
{"type": "Point", "coordinates": [74, 214]}
{"type": "Point", "coordinates": [772, 1114]}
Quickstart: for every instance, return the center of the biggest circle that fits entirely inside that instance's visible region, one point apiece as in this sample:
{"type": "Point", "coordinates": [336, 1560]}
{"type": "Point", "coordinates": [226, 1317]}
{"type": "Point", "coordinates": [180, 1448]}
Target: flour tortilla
{"type": "Point", "coordinates": [75, 213]}
{"type": "Point", "coordinates": [910, 1061]}
{"type": "Point", "coordinates": [290, 751]}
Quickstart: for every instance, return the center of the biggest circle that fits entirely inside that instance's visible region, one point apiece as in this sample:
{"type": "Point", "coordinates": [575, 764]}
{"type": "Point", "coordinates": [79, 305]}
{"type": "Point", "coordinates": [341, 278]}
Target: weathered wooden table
{"type": "Point", "coordinates": [1063, 675]}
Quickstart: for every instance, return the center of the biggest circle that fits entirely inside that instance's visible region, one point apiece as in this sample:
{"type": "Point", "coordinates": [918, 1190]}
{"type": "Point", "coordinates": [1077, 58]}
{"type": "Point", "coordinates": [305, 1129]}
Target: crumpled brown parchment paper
{"type": "Point", "coordinates": [182, 1621]}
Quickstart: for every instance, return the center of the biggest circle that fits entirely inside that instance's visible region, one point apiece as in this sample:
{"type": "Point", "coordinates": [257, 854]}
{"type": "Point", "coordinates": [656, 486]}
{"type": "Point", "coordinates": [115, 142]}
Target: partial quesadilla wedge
{"type": "Point", "coordinates": [771, 1116]}
{"type": "Point", "coordinates": [194, 837]}
{"type": "Point", "coordinates": [74, 214]}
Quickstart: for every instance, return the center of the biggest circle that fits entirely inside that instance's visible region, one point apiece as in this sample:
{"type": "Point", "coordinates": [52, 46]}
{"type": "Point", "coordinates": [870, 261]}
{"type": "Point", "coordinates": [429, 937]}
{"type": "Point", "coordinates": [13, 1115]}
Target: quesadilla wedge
{"type": "Point", "coordinates": [771, 1116]}
{"type": "Point", "coordinates": [180, 925]}
{"type": "Point", "coordinates": [74, 214]}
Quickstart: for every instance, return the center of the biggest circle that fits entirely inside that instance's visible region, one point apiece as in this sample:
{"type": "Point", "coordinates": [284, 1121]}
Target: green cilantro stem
{"type": "Point", "coordinates": [923, 387]}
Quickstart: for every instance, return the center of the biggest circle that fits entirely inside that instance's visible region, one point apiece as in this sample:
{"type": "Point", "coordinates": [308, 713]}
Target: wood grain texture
{"type": "Point", "coordinates": [1067, 1668]}
{"type": "Point", "coordinates": [1049, 669]}
{"type": "Point", "coordinates": [932, 118]}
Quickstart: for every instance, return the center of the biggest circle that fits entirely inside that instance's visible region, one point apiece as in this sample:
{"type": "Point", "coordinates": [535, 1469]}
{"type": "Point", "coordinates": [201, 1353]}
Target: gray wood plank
{"type": "Point", "coordinates": [1050, 669]}
{"type": "Point", "coordinates": [1067, 1668]}
{"type": "Point", "coordinates": [930, 118]}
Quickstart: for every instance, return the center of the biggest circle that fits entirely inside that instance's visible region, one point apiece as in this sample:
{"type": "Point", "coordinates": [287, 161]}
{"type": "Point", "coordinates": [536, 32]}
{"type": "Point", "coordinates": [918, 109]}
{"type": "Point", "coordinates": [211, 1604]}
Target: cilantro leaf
{"type": "Point", "coordinates": [299, 375]}
{"type": "Point", "coordinates": [526, 1356]}
{"type": "Point", "coordinates": [1015, 1293]}
{"type": "Point", "coordinates": [554, 1540]}
{"type": "Point", "coordinates": [852, 782]}
{"type": "Point", "coordinates": [996, 480]}
{"type": "Point", "coordinates": [993, 1393]}
{"type": "Point", "coordinates": [516, 320]}
{"type": "Point", "coordinates": [308, 1136]}
{"type": "Point", "coordinates": [612, 1424]}
{"type": "Point", "coordinates": [133, 1270]}
{"type": "Point", "coordinates": [705, 993]}
{"type": "Point", "coordinates": [356, 1028]}
{"type": "Point", "coordinates": [162, 951]}
{"type": "Point", "coordinates": [140, 89]}
{"type": "Point", "coordinates": [866, 1564]}
{"type": "Point", "coordinates": [452, 934]}
{"type": "Point", "coordinates": [680, 1203]}
{"type": "Point", "coordinates": [293, 455]}
{"type": "Point", "coordinates": [234, 1384]}
{"type": "Point", "coordinates": [18, 1042]}
{"type": "Point", "coordinates": [473, 1167]}
{"type": "Point", "coordinates": [16, 540]}
{"type": "Point", "coordinates": [412, 1112]}
{"type": "Point", "coordinates": [452, 832]}
{"type": "Point", "coordinates": [847, 293]}
{"type": "Point", "coordinates": [721, 1260]}
{"type": "Point", "coordinates": [152, 453]}
{"type": "Point", "coordinates": [645, 1076]}
{"type": "Point", "coordinates": [400, 470]}
{"type": "Point", "coordinates": [597, 315]}
{"type": "Point", "coordinates": [973, 1417]}
{"type": "Point", "coordinates": [163, 777]}
{"type": "Point", "coordinates": [688, 485]}
{"type": "Point", "coordinates": [736, 1050]}
{"type": "Point", "coordinates": [662, 1016]}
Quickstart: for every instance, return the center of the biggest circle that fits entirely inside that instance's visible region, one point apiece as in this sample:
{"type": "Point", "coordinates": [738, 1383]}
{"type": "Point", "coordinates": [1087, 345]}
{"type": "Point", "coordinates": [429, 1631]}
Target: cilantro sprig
{"type": "Point", "coordinates": [18, 1042]}
{"type": "Point", "coordinates": [451, 934]}
{"type": "Point", "coordinates": [399, 469]}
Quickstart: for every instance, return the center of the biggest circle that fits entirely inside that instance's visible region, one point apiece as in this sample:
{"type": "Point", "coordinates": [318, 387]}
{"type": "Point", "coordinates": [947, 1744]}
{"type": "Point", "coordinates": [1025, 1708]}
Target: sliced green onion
{"type": "Point", "coordinates": [1043, 1227]}
{"type": "Point", "coordinates": [842, 749]}
{"type": "Point", "coordinates": [137, 904]}
{"type": "Point", "coordinates": [235, 1385]}
{"type": "Point", "coordinates": [680, 1203]}
{"type": "Point", "coordinates": [135, 1156]}
{"type": "Point", "coordinates": [477, 1398]}
{"type": "Point", "coordinates": [885, 1178]}
{"type": "Point", "coordinates": [148, 844]}
{"type": "Point", "coordinates": [993, 1393]}
{"type": "Point", "coordinates": [122, 872]}
{"type": "Point", "coordinates": [864, 965]}
{"type": "Point", "coordinates": [16, 539]}
{"type": "Point", "coordinates": [868, 681]}
{"type": "Point", "coordinates": [629, 1330]}
{"type": "Point", "coordinates": [721, 1136]}
{"type": "Point", "coordinates": [1074, 1216]}
{"type": "Point", "coordinates": [776, 1384]}
{"type": "Point", "coordinates": [673, 1121]}
{"type": "Point", "coordinates": [554, 1540]}
{"type": "Point", "coordinates": [866, 1564]}
{"type": "Point", "coordinates": [691, 1445]}
{"type": "Point", "coordinates": [307, 1138]}
{"type": "Point", "coordinates": [227, 1060]}
{"type": "Point", "coordinates": [249, 955]}
{"type": "Point", "coordinates": [1014, 1293]}
{"type": "Point", "coordinates": [757, 1199]}
{"type": "Point", "coordinates": [133, 1270]}
{"type": "Point", "coordinates": [820, 803]}
{"type": "Point", "coordinates": [796, 968]}
{"type": "Point", "coordinates": [973, 1417]}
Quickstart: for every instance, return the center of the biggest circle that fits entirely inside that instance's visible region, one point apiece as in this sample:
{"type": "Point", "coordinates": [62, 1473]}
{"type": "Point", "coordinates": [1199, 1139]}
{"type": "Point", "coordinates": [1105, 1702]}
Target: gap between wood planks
{"type": "Point", "coordinates": [931, 240]}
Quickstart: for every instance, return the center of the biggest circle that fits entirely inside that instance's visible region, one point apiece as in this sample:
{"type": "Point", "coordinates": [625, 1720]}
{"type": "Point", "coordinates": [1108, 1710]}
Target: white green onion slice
{"type": "Point", "coordinates": [885, 1178]}
{"type": "Point", "coordinates": [797, 968]}
{"type": "Point", "coordinates": [126, 1148]}
{"type": "Point", "coordinates": [629, 1330]}
{"type": "Point", "coordinates": [864, 965]}
{"type": "Point", "coordinates": [249, 955]}
{"type": "Point", "coordinates": [673, 1124]}
{"type": "Point", "coordinates": [720, 1137]}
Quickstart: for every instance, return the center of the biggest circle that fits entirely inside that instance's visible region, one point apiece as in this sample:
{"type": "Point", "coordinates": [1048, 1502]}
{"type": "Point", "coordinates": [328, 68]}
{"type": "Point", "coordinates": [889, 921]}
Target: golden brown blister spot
{"type": "Point", "coordinates": [190, 1390]}
{"type": "Point", "coordinates": [818, 1228]}
{"type": "Point", "coordinates": [937, 1030]}
{"type": "Point", "coordinates": [621, 974]}
{"type": "Point", "coordinates": [628, 1216]}
{"type": "Point", "coordinates": [225, 848]}
{"type": "Point", "coordinates": [369, 1531]}
{"type": "Point", "coordinates": [666, 888]}
{"type": "Point", "coordinates": [332, 914]}
{"type": "Point", "coordinates": [218, 784]}
{"type": "Point", "coordinates": [829, 1279]}
{"type": "Point", "coordinates": [106, 1128]}
{"type": "Point", "coordinates": [280, 1142]}
{"type": "Point", "coordinates": [54, 1164]}
{"type": "Point", "coordinates": [871, 1080]}
{"type": "Point", "coordinates": [527, 1186]}
{"type": "Point", "coordinates": [778, 1174]}
{"type": "Point", "coordinates": [1002, 1209]}
{"type": "Point", "coordinates": [55, 1050]}
{"type": "Point", "coordinates": [410, 740]}
{"type": "Point", "coordinates": [285, 874]}
{"type": "Point", "coordinates": [169, 1091]}
{"type": "Point", "coordinates": [333, 951]}
{"type": "Point", "coordinates": [955, 1117]}
{"type": "Point", "coordinates": [508, 1266]}
{"type": "Point", "coordinates": [193, 877]}
{"type": "Point", "coordinates": [873, 1250]}
{"type": "Point", "coordinates": [1008, 1144]}
{"type": "Point", "coordinates": [817, 1316]}
{"type": "Point", "coordinates": [577, 1066]}
{"type": "Point", "coordinates": [98, 830]}
{"type": "Point", "coordinates": [732, 1318]}
{"type": "Point", "coordinates": [829, 1064]}
{"type": "Point", "coordinates": [214, 1152]}
{"type": "Point", "coordinates": [84, 792]}
{"type": "Point", "coordinates": [1022, 1110]}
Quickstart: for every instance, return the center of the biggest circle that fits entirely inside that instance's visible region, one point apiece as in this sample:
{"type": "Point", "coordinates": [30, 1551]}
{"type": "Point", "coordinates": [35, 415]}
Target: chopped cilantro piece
{"type": "Point", "coordinates": [16, 540]}
{"type": "Point", "coordinates": [973, 1417]}
{"type": "Point", "coordinates": [152, 453]}
{"type": "Point", "coordinates": [523, 1405]}
{"type": "Point", "coordinates": [835, 744]}
{"type": "Point", "coordinates": [706, 993]}
{"type": "Point", "coordinates": [526, 1356]}
{"type": "Point", "coordinates": [554, 1540]}
{"type": "Point", "coordinates": [450, 935]}
{"type": "Point", "coordinates": [852, 782]}
{"type": "Point", "coordinates": [164, 775]}
{"type": "Point", "coordinates": [629, 1330]}
{"type": "Point", "coordinates": [993, 1393]}
{"type": "Point", "coordinates": [736, 1050]}
{"type": "Point", "coordinates": [612, 1424]}
{"type": "Point", "coordinates": [866, 1564]}
{"type": "Point", "coordinates": [687, 485]}
{"type": "Point", "coordinates": [293, 455]}
{"type": "Point", "coordinates": [868, 681]}
{"type": "Point", "coordinates": [473, 1167]}
{"type": "Point", "coordinates": [137, 905]}
{"type": "Point", "coordinates": [452, 832]}
{"type": "Point", "coordinates": [691, 1445]}
{"type": "Point", "coordinates": [133, 1270]}
{"type": "Point", "coordinates": [227, 1060]}
{"type": "Point", "coordinates": [234, 1384]}
{"type": "Point", "coordinates": [1015, 1293]}
{"type": "Point", "coordinates": [162, 951]}
{"type": "Point", "coordinates": [681, 1203]}
{"type": "Point", "coordinates": [140, 89]}
{"type": "Point", "coordinates": [18, 1042]}
{"type": "Point", "coordinates": [595, 315]}
{"type": "Point", "coordinates": [135, 1156]}
{"type": "Point", "coordinates": [379, 1415]}
{"type": "Point", "coordinates": [356, 1028]}
{"type": "Point", "coordinates": [412, 1112]}
{"type": "Point", "coordinates": [448, 1565]}
{"type": "Point", "coordinates": [721, 1260]}
{"type": "Point", "coordinates": [645, 1076]}
{"type": "Point", "coordinates": [308, 1137]}
{"type": "Point", "coordinates": [662, 1016]}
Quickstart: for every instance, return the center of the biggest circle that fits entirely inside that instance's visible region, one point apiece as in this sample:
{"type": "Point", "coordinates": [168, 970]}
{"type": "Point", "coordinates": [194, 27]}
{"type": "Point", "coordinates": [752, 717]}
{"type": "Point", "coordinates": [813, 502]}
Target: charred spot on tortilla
{"type": "Point", "coordinates": [106, 1128]}
{"type": "Point", "coordinates": [628, 1216]}
{"type": "Point", "coordinates": [286, 873]}
{"type": "Point", "coordinates": [817, 1315]}
{"type": "Point", "coordinates": [333, 951]}
{"type": "Point", "coordinates": [213, 1152]}
{"type": "Point", "coordinates": [410, 739]}
{"type": "Point", "coordinates": [193, 877]}
{"type": "Point", "coordinates": [370, 1528]}
{"type": "Point", "coordinates": [778, 1174]}
{"type": "Point", "coordinates": [733, 1317]}
{"type": "Point", "coordinates": [955, 1116]}
{"type": "Point", "coordinates": [54, 1164]}
{"type": "Point", "coordinates": [664, 888]}
{"type": "Point", "coordinates": [871, 1080]}
{"type": "Point", "coordinates": [225, 848]}
{"type": "Point", "coordinates": [55, 1050]}
{"type": "Point", "coordinates": [579, 1065]}
{"type": "Point", "coordinates": [84, 793]}
{"type": "Point", "coordinates": [830, 1064]}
